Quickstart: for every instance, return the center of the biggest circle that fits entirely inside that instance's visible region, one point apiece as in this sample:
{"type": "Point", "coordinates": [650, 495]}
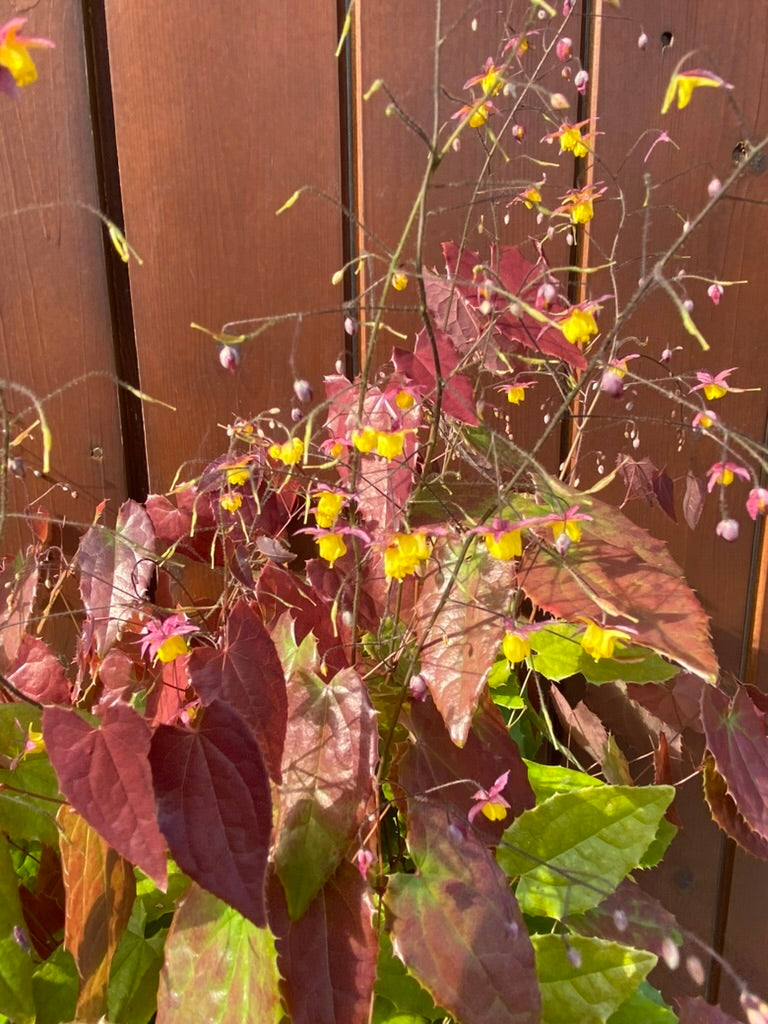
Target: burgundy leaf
{"type": "Point", "coordinates": [330, 753]}
{"type": "Point", "coordinates": [419, 369]}
{"type": "Point", "coordinates": [457, 926]}
{"type": "Point", "coordinates": [246, 673]}
{"type": "Point", "coordinates": [581, 725]}
{"type": "Point", "coordinates": [214, 806]}
{"type": "Point", "coordinates": [726, 813]}
{"type": "Point", "coordinates": [677, 703]}
{"type": "Point", "coordinates": [104, 773]}
{"type": "Point", "coordinates": [328, 957]}
{"type": "Point", "coordinates": [436, 769]}
{"type": "Point", "coordinates": [664, 492]}
{"type": "Point", "coordinates": [38, 674]}
{"type": "Point", "coordinates": [695, 1010]}
{"type": "Point", "coordinates": [116, 567]}
{"type": "Point", "coordinates": [189, 526]}
{"type": "Point", "coordinates": [735, 734]}
{"type": "Point", "coordinates": [637, 475]}
{"type": "Point", "coordinates": [18, 587]}
{"type": "Point", "coordinates": [693, 498]}
{"type": "Point", "coordinates": [632, 917]}
{"type": "Point", "coordinates": [461, 644]}
{"type": "Point", "coordinates": [451, 314]}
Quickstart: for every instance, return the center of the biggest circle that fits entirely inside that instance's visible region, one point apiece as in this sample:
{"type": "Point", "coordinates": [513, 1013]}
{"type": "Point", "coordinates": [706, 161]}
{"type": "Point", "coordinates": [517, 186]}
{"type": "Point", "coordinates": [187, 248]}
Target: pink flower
{"type": "Point", "coordinates": [165, 640]}
{"type": "Point", "coordinates": [581, 81]}
{"type": "Point", "coordinates": [491, 802]}
{"type": "Point", "coordinates": [728, 529]}
{"type": "Point", "coordinates": [714, 387]}
{"type": "Point", "coordinates": [564, 48]}
{"type": "Point", "coordinates": [715, 292]}
{"type": "Point", "coordinates": [723, 473]}
{"type": "Point", "coordinates": [757, 502]}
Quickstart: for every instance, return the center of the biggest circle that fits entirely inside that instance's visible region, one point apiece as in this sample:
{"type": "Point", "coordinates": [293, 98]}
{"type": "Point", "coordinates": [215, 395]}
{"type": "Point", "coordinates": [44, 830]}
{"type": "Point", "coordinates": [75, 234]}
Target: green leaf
{"type": "Point", "coordinates": [572, 850]}
{"type": "Point", "coordinates": [548, 779]}
{"type": "Point", "coordinates": [22, 815]}
{"type": "Point", "coordinates": [219, 967]}
{"type": "Point", "coordinates": [606, 976]}
{"type": "Point", "coordinates": [133, 977]}
{"type": "Point", "coordinates": [56, 984]}
{"type": "Point", "coordinates": [16, 966]}
{"type": "Point", "coordinates": [560, 655]}
{"type": "Point", "coordinates": [644, 1006]}
{"type": "Point", "coordinates": [399, 997]}
{"type": "Point", "coordinates": [665, 833]}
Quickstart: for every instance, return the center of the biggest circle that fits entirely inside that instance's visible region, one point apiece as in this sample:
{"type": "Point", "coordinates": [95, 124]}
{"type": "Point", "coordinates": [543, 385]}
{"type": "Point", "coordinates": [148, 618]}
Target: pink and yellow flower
{"type": "Point", "coordinates": [724, 473]}
{"type": "Point", "coordinates": [166, 640]}
{"type": "Point", "coordinates": [600, 641]}
{"type": "Point", "coordinates": [490, 802]}
{"type": "Point", "coordinates": [757, 502]}
{"type": "Point", "coordinates": [289, 453]}
{"type": "Point", "coordinates": [515, 646]}
{"type": "Point", "coordinates": [714, 387]}
{"type": "Point", "coordinates": [17, 69]}
{"type": "Point", "coordinates": [491, 80]}
{"type": "Point", "coordinates": [478, 113]}
{"type": "Point", "coordinates": [579, 325]}
{"type": "Point", "coordinates": [329, 505]}
{"type": "Point", "coordinates": [578, 203]}
{"type": "Point", "coordinates": [682, 84]}
{"type": "Point", "coordinates": [405, 553]}
{"type": "Point", "coordinates": [571, 138]}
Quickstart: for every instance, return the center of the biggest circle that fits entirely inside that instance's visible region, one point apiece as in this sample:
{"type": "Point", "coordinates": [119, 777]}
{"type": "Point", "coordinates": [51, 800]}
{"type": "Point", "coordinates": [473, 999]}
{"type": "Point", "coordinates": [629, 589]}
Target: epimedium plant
{"type": "Point", "coordinates": [340, 785]}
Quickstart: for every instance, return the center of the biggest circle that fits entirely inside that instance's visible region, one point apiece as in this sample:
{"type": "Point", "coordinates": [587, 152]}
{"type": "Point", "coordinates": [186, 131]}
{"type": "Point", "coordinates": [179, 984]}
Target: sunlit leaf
{"type": "Point", "coordinates": [725, 812]}
{"type": "Point", "coordinates": [328, 957]}
{"type": "Point", "coordinates": [632, 917]}
{"type": "Point", "coordinates": [133, 976]}
{"type": "Point", "coordinates": [16, 964]}
{"type": "Point", "coordinates": [398, 995]}
{"type": "Point", "coordinates": [104, 773]}
{"type": "Point", "coordinates": [56, 984]}
{"type": "Point", "coordinates": [590, 984]}
{"type": "Point", "coordinates": [644, 1006]}
{"type": "Point", "coordinates": [22, 815]}
{"type": "Point", "coordinates": [572, 850]}
{"type": "Point", "coordinates": [214, 806]}
{"type": "Point", "coordinates": [558, 655]}
{"type": "Point", "coordinates": [548, 779]}
{"type": "Point", "coordinates": [38, 674]}
{"type": "Point", "coordinates": [115, 567]}
{"type": "Point", "coordinates": [100, 888]}
{"type": "Point", "coordinates": [457, 926]}
{"type": "Point", "coordinates": [328, 763]}
{"type": "Point", "coordinates": [219, 967]}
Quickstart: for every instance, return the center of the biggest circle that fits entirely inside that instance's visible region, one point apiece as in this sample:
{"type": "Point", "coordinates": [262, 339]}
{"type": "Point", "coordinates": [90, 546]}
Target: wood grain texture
{"type": "Point", "coordinates": [54, 310]}
{"type": "Point", "coordinates": [220, 116]}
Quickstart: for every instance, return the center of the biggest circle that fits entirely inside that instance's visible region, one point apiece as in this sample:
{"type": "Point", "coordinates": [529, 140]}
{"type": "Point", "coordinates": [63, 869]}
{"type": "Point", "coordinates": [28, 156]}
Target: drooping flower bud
{"type": "Point", "coordinates": [562, 544]}
{"type": "Point", "coordinates": [350, 326]}
{"type": "Point", "coordinates": [728, 529]}
{"type": "Point", "coordinates": [612, 383]}
{"type": "Point", "coordinates": [302, 390]}
{"type": "Point", "coordinates": [545, 296]}
{"type": "Point", "coordinates": [642, 41]}
{"type": "Point", "coordinates": [229, 357]}
{"type": "Point", "coordinates": [564, 48]}
{"type": "Point", "coordinates": [715, 292]}
{"type": "Point", "coordinates": [581, 81]}
{"type": "Point", "coordinates": [714, 187]}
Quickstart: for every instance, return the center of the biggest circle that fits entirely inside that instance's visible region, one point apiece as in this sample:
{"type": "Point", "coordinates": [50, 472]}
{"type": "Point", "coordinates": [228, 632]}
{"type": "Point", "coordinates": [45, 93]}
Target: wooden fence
{"type": "Point", "coordinates": [192, 123]}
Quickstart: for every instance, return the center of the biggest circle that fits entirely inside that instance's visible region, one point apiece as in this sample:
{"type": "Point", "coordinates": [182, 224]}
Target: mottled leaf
{"type": "Point", "coordinates": [328, 764]}
{"type": "Point", "coordinates": [735, 735]}
{"type": "Point", "coordinates": [18, 585]}
{"type": "Point", "coordinates": [457, 631]}
{"type": "Point", "coordinates": [589, 984]}
{"type": "Point", "coordinates": [677, 703]}
{"type": "Point", "coordinates": [104, 773]}
{"type": "Point", "coordinates": [100, 890]}
{"type": "Point", "coordinates": [16, 964]}
{"type": "Point", "coordinates": [399, 996]}
{"type": "Point", "coordinates": [581, 726]}
{"type": "Point", "coordinates": [29, 792]}
{"type": "Point", "coordinates": [457, 926]}
{"type": "Point", "coordinates": [695, 1010]}
{"type": "Point", "coordinates": [435, 768]}
{"type": "Point", "coordinates": [188, 527]}
{"type": "Point", "coordinates": [725, 812]}
{"type": "Point", "coordinates": [115, 567]}
{"type": "Point", "coordinates": [246, 674]}
{"type": "Point", "coordinates": [328, 957]}
{"type": "Point", "coordinates": [558, 655]}
{"type": "Point", "coordinates": [632, 917]}
{"type": "Point", "coordinates": [214, 806]}
{"type": "Point", "coordinates": [38, 674]}
{"type": "Point", "coordinates": [572, 850]}
{"type": "Point", "coordinates": [219, 967]}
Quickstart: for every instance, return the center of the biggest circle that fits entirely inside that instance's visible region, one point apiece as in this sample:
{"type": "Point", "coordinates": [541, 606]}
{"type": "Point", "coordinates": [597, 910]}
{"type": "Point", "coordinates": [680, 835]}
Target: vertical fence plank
{"type": "Point", "coordinates": [54, 309]}
{"type": "Point", "coordinates": [220, 116]}
{"type": "Point", "coordinates": [728, 246]}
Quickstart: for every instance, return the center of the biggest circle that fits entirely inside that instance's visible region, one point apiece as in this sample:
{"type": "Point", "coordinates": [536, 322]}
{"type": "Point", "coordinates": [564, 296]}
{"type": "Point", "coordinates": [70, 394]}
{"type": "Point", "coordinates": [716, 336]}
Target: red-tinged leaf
{"type": "Point", "coordinates": [457, 926]}
{"type": "Point", "coordinates": [104, 773]}
{"type": "Point", "coordinates": [100, 891]}
{"type": "Point", "coordinates": [735, 735]}
{"type": "Point", "coordinates": [693, 498]}
{"type": "Point", "coordinates": [418, 367]}
{"type": "Point", "coordinates": [461, 644]}
{"type": "Point", "coordinates": [637, 475]}
{"type": "Point", "coordinates": [581, 725]}
{"type": "Point", "coordinates": [38, 674]}
{"type": "Point", "coordinates": [330, 753]}
{"type": "Point", "coordinates": [19, 585]}
{"type": "Point", "coordinates": [632, 917]}
{"type": "Point", "coordinates": [219, 967]}
{"type": "Point", "coordinates": [189, 527]}
{"type": "Point", "coordinates": [279, 591]}
{"type": "Point", "coordinates": [725, 812]}
{"type": "Point", "coordinates": [328, 958]}
{"type": "Point", "coordinates": [435, 768]}
{"type": "Point", "coordinates": [246, 674]}
{"type": "Point", "coordinates": [451, 314]}
{"type": "Point", "coordinates": [617, 572]}
{"type": "Point", "coordinates": [677, 703]}
{"type": "Point", "coordinates": [116, 567]}
{"type": "Point", "coordinates": [695, 1010]}
{"type": "Point", "coordinates": [214, 806]}
{"type": "Point", "coordinates": [169, 696]}
{"type": "Point", "coordinates": [664, 492]}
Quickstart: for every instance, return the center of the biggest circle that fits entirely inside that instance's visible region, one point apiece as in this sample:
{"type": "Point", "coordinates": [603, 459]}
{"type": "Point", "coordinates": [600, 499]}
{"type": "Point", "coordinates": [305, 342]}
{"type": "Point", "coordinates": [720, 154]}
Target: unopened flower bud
{"type": "Point", "coordinates": [612, 383]}
{"type": "Point", "coordinates": [688, 305]}
{"type": "Point", "coordinates": [714, 187]}
{"type": "Point", "coordinates": [558, 102]}
{"type": "Point", "coordinates": [562, 544]}
{"type": "Point", "coordinates": [229, 357]}
{"type": "Point", "coordinates": [545, 296]}
{"type": "Point", "coordinates": [642, 41]}
{"type": "Point", "coordinates": [518, 132]}
{"type": "Point", "coordinates": [581, 81]}
{"type": "Point", "coordinates": [715, 292]}
{"type": "Point", "coordinates": [350, 326]}
{"type": "Point", "coordinates": [296, 414]}
{"type": "Point", "coordinates": [302, 390]}
{"type": "Point", "coordinates": [568, 6]}
{"type": "Point", "coordinates": [564, 48]}
{"type": "Point", "coordinates": [728, 529]}
{"type": "Point", "coordinates": [418, 687]}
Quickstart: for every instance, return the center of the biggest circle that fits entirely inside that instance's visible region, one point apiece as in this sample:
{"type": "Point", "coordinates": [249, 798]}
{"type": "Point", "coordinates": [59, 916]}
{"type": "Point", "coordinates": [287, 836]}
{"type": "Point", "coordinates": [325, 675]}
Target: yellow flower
{"type": "Point", "coordinates": [515, 648]}
{"type": "Point", "coordinates": [682, 86]}
{"type": "Point", "coordinates": [479, 116]}
{"type": "Point", "coordinates": [390, 446]}
{"type": "Point", "coordinates": [331, 546]}
{"type": "Point", "coordinates": [231, 502]}
{"type": "Point", "coordinates": [571, 141]}
{"type": "Point", "coordinates": [237, 475]}
{"type": "Point", "coordinates": [336, 450]}
{"type": "Point", "coordinates": [14, 52]}
{"type": "Point", "coordinates": [579, 326]}
{"type": "Point", "coordinates": [404, 554]}
{"type": "Point", "coordinates": [288, 453]}
{"type": "Point", "coordinates": [494, 812]}
{"type": "Point", "coordinates": [328, 507]}
{"type": "Point", "coordinates": [600, 642]}
{"type": "Point", "coordinates": [509, 545]}
{"type": "Point", "coordinates": [569, 527]}
{"type": "Point", "coordinates": [582, 211]}
{"type": "Point", "coordinates": [491, 83]}
{"type": "Point", "coordinates": [400, 280]}
{"type": "Point", "coordinates": [34, 743]}
{"type": "Point", "coordinates": [404, 400]}
{"type": "Point", "coordinates": [713, 391]}
{"type": "Point", "coordinates": [171, 648]}
{"type": "Point", "coordinates": [531, 197]}
{"type": "Point", "coordinates": [515, 394]}
{"type": "Point", "coordinates": [365, 440]}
